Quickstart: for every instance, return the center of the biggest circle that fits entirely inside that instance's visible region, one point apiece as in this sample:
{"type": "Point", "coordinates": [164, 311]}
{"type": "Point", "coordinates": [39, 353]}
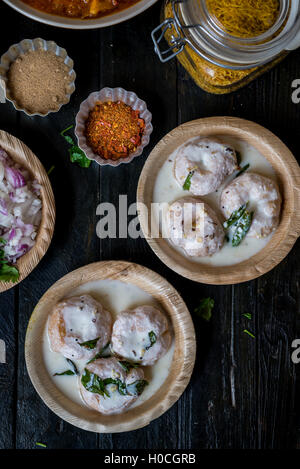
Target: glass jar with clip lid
{"type": "Point", "coordinates": [225, 44]}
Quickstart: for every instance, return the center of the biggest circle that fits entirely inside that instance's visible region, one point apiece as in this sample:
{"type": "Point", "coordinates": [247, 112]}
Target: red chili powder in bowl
{"type": "Point", "coordinates": [114, 130]}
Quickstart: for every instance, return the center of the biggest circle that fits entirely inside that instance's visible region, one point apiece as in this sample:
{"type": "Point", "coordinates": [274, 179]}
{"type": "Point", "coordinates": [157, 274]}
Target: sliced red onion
{"type": "Point", "coordinates": [12, 234]}
{"type": "Point", "coordinates": [3, 207]}
{"type": "Point", "coordinates": [15, 177]}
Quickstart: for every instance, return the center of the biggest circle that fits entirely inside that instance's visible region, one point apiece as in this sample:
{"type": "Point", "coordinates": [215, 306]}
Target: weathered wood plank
{"type": "Point", "coordinates": [127, 48]}
{"type": "Point", "coordinates": [243, 390]}
{"type": "Point", "coordinates": [74, 243]}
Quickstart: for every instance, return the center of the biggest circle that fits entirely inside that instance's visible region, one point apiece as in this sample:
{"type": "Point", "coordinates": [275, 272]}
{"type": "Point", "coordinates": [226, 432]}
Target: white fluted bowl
{"type": "Point", "coordinates": [112, 94]}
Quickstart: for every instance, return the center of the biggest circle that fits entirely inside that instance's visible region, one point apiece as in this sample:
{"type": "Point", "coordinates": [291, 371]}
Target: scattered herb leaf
{"type": "Point", "coordinates": [67, 373]}
{"type": "Point", "coordinates": [90, 344]}
{"type": "Point", "coordinates": [50, 170]}
{"type": "Point", "coordinates": [136, 388]}
{"type": "Point", "coordinates": [42, 445]}
{"type": "Point", "coordinates": [76, 154]}
{"type": "Point", "coordinates": [249, 333]}
{"type": "Point", "coordinates": [204, 310]}
{"type": "Point", "coordinates": [248, 315]}
{"type": "Point", "coordinates": [187, 183]}
{"type": "Point", "coordinates": [244, 168]}
{"type": "Point", "coordinates": [127, 366]}
{"type": "Point", "coordinates": [153, 338]}
{"type": "Point", "coordinates": [242, 228]}
{"type": "Point", "coordinates": [235, 216]}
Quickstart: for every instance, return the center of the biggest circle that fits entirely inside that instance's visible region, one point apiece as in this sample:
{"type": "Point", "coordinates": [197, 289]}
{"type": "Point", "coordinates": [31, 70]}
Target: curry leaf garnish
{"type": "Point", "coordinates": [72, 372]}
{"type": "Point", "coordinates": [104, 353]}
{"type": "Point", "coordinates": [90, 344]}
{"type": "Point", "coordinates": [242, 228]}
{"type": "Point", "coordinates": [75, 369]}
{"type": "Point", "coordinates": [65, 373]}
{"type": "Point", "coordinates": [152, 338]}
{"type": "Point", "coordinates": [127, 366]}
{"type": "Point", "coordinates": [235, 216]}
{"type": "Point", "coordinates": [76, 154]}
{"type": "Point", "coordinates": [204, 310]}
{"type": "Point", "coordinates": [187, 183]}
{"type": "Point", "coordinates": [116, 381]}
{"type": "Point", "coordinates": [93, 383]}
{"type": "Point", "coordinates": [238, 157]}
{"type": "Point", "coordinates": [136, 388]}
{"type": "Point", "coordinates": [244, 168]}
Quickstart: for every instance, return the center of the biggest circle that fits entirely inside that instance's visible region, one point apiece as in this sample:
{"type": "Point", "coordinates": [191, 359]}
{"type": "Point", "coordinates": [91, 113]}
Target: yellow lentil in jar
{"type": "Point", "coordinates": [244, 18]}
{"type": "Point", "coordinates": [210, 77]}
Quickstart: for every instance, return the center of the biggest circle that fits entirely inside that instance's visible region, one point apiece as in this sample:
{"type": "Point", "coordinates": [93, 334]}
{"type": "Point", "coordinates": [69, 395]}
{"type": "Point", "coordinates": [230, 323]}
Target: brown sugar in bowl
{"type": "Point", "coordinates": [287, 172]}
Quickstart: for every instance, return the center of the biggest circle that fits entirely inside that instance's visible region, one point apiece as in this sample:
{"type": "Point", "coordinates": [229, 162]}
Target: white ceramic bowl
{"type": "Point", "coordinates": [70, 23]}
{"type": "Point", "coordinates": [112, 94]}
{"type": "Point", "coordinates": [22, 47]}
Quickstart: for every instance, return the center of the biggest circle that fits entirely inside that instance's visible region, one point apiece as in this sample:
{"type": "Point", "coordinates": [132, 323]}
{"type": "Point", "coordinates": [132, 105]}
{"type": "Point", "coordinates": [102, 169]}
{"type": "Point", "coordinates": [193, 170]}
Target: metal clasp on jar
{"type": "Point", "coordinates": [177, 42]}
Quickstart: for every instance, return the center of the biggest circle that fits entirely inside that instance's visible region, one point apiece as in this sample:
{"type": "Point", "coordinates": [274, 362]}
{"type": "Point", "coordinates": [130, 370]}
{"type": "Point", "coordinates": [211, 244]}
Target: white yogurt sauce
{"type": "Point", "coordinates": [167, 189]}
{"type": "Point", "coordinates": [115, 296]}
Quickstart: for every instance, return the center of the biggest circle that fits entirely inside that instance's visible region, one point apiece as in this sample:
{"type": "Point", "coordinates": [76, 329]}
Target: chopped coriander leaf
{"type": "Point", "coordinates": [248, 315]}
{"type": "Point", "coordinates": [67, 137]}
{"type": "Point", "coordinates": [249, 333]}
{"type": "Point", "coordinates": [50, 170]}
{"type": "Point", "coordinates": [187, 183]}
{"type": "Point", "coordinates": [8, 273]}
{"type": "Point", "coordinates": [90, 344]}
{"type": "Point", "coordinates": [42, 445]}
{"type": "Point", "coordinates": [76, 154]}
{"type": "Point", "coordinates": [204, 310]}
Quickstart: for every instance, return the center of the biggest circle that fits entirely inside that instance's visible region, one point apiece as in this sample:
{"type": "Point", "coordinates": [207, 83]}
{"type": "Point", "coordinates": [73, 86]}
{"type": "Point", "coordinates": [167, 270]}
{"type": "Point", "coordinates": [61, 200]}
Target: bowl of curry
{"type": "Point", "coordinates": [80, 14]}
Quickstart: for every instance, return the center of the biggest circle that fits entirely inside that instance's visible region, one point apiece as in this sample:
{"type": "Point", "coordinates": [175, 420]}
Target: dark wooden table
{"type": "Point", "coordinates": [267, 412]}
